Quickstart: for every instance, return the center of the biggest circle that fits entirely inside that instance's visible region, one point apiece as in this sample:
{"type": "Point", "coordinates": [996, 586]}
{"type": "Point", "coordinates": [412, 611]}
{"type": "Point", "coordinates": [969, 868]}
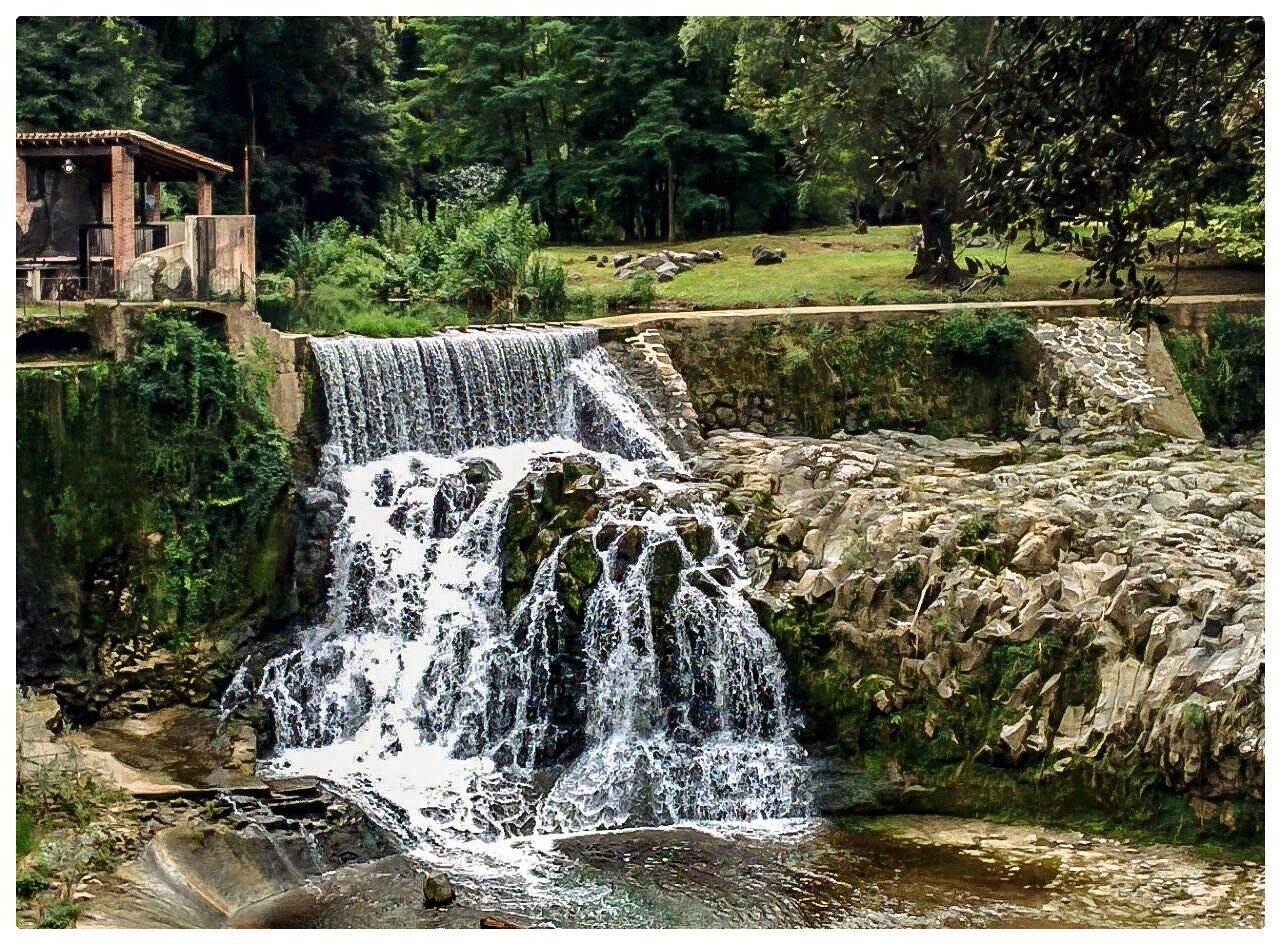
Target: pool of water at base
{"type": "Point", "coordinates": [812, 873]}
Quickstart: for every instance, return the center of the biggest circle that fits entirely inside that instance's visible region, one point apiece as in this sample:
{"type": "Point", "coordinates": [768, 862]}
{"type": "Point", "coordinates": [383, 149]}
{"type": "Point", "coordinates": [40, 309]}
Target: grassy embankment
{"type": "Point", "coordinates": [834, 266]}
{"type": "Point", "coordinates": [827, 266]}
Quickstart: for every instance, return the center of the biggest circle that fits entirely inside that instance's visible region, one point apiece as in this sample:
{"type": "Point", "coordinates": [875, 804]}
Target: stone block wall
{"type": "Point", "coordinates": [1068, 379]}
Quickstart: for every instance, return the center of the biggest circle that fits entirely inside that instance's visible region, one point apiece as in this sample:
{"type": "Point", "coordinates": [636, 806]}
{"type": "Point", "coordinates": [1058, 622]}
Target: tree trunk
{"type": "Point", "coordinates": [671, 201]}
{"type": "Point", "coordinates": [935, 256]}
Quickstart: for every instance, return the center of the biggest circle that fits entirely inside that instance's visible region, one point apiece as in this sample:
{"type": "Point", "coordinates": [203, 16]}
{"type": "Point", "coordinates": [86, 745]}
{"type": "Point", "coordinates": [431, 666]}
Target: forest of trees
{"type": "Point", "coordinates": [599, 124]}
{"type": "Point", "coordinates": [624, 128]}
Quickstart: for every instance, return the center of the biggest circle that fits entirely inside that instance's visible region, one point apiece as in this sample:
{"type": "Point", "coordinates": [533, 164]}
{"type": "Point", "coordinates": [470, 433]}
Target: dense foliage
{"type": "Point", "coordinates": [186, 534]}
{"type": "Point", "coordinates": [977, 339]}
{"type": "Point", "coordinates": [597, 123]}
{"type": "Point", "coordinates": [1224, 376]}
{"type": "Point", "coordinates": [866, 105]}
{"type": "Point", "coordinates": [1091, 132]}
{"type": "Point", "coordinates": [480, 257]}
{"type": "Point", "coordinates": [1099, 130]}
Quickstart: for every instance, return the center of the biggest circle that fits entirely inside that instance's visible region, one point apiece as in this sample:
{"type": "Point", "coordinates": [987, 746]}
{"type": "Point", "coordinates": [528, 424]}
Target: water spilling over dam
{"type": "Point", "coordinates": [465, 714]}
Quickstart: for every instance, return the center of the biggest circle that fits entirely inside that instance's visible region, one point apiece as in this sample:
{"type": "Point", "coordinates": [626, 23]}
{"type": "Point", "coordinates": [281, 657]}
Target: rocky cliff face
{"type": "Point", "coordinates": [1070, 622]}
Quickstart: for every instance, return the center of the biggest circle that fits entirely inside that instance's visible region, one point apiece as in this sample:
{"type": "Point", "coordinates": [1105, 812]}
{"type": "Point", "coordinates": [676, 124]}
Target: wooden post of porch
{"type": "Point", "coordinates": [121, 212]}
{"type": "Point", "coordinates": [204, 194]}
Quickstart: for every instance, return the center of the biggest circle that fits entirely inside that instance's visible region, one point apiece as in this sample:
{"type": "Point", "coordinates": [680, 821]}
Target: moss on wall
{"type": "Point", "coordinates": [151, 502]}
{"type": "Point", "coordinates": [948, 376]}
{"type": "Point", "coordinates": [852, 701]}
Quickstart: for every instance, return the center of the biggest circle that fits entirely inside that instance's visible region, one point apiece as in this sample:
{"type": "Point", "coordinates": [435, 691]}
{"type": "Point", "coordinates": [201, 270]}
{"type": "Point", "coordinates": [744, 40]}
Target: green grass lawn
{"type": "Point", "coordinates": [831, 266]}
{"type": "Point", "coordinates": [827, 266]}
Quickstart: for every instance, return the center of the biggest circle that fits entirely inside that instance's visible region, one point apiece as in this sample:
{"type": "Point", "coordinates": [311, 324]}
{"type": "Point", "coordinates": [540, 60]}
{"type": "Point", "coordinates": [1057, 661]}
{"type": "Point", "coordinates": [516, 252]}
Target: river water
{"type": "Point", "coordinates": [635, 767]}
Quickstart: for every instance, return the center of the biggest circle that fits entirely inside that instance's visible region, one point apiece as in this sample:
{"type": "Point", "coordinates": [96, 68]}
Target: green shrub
{"type": "Point", "coordinates": [1224, 383]}
{"type": "Point", "coordinates": [795, 358]}
{"type": "Point", "coordinates": [30, 884]}
{"type": "Point", "coordinates": [974, 339]}
{"type": "Point", "coordinates": [483, 266]}
{"type": "Point", "coordinates": [976, 528]}
{"type": "Point", "coordinates": [543, 292]}
{"type": "Point", "coordinates": [332, 254]}
{"type": "Point", "coordinates": [61, 914]}
{"type": "Point", "coordinates": [272, 285]}
{"type": "Point", "coordinates": [1238, 231]}
{"type": "Point", "coordinates": [481, 257]}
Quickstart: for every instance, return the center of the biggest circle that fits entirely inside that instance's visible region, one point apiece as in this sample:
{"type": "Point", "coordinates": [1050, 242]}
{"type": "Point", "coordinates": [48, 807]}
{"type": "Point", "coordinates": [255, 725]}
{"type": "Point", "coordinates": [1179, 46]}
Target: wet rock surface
{"type": "Point", "coordinates": [1091, 880]}
{"type": "Point", "coordinates": [204, 862]}
{"type": "Point", "coordinates": [183, 832]}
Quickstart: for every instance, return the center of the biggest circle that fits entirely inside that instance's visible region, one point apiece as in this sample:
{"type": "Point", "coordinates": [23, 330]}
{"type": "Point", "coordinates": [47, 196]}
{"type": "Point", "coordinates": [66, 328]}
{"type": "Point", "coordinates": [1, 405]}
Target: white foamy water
{"type": "Point", "coordinates": [468, 726]}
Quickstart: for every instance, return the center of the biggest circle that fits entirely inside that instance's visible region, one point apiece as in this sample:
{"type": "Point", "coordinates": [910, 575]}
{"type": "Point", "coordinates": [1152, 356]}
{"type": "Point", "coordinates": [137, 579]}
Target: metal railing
{"type": "Point", "coordinates": [96, 280]}
{"type": "Point", "coordinates": [220, 285]}
{"type": "Point", "coordinates": [96, 240]}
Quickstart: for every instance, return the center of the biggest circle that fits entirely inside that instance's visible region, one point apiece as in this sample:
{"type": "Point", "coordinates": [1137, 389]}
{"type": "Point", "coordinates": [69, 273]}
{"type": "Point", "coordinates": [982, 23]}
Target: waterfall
{"type": "Point", "coordinates": [466, 717]}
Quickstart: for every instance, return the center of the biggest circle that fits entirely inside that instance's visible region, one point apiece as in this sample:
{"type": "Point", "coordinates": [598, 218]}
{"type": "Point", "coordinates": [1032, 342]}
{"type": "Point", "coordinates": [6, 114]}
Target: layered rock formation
{"type": "Point", "coordinates": [1095, 615]}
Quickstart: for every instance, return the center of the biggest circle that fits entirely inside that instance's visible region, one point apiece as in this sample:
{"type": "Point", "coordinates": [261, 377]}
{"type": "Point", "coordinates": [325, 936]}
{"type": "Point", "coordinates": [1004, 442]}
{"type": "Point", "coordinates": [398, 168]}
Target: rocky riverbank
{"type": "Point", "coordinates": [1078, 630]}
{"type": "Point", "coordinates": [158, 820]}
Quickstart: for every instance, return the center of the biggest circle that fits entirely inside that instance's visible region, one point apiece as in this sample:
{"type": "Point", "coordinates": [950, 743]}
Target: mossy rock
{"type": "Point", "coordinates": [664, 575]}
{"type": "Point", "coordinates": [522, 520]}
{"type": "Point", "coordinates": [579, 560]}
{"type": "Point", "coordinates": [697, 536]}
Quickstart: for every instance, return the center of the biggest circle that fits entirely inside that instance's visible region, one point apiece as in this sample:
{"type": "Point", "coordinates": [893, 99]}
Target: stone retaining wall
{"type": "Point", "coordinates": [113, 329]}
{"type": "Point", "coordinates": [1068, 380]}
{"type": "Point", "coordinates": [647, 363]}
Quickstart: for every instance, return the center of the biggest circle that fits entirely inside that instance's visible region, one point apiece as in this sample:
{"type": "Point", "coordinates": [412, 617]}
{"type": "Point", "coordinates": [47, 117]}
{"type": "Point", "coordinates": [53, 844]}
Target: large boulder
{"type": "Point", "coordinates": [140, 280]}
{"type": "Point", "coordinates": [437, 890]}
{"type": "Point", "coordinates": [666, 272]}
{"type": "Point", "coordinates": [174, 281]}
{"type": "Point", "coordinates": [762, 256]}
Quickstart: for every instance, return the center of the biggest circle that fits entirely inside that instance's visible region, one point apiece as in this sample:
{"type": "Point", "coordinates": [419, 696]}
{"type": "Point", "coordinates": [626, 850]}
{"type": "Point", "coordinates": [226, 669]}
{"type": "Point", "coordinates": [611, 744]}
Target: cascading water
{"type": "Point", "coordinates": [466, 718]}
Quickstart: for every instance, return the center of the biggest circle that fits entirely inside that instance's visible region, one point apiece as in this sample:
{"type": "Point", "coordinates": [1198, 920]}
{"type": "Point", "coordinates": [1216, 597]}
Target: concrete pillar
{"type": "Point", "coordinates": [152, 202]}
{"type": "Point", "coordinates": [121, 212]}
{"type": "Point", "coordinates": [204, 194]}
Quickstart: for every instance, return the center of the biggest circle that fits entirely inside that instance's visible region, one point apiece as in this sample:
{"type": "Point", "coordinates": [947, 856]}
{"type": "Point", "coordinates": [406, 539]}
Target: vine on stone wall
{"type": "Point", "coordinates": [149, 496]}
